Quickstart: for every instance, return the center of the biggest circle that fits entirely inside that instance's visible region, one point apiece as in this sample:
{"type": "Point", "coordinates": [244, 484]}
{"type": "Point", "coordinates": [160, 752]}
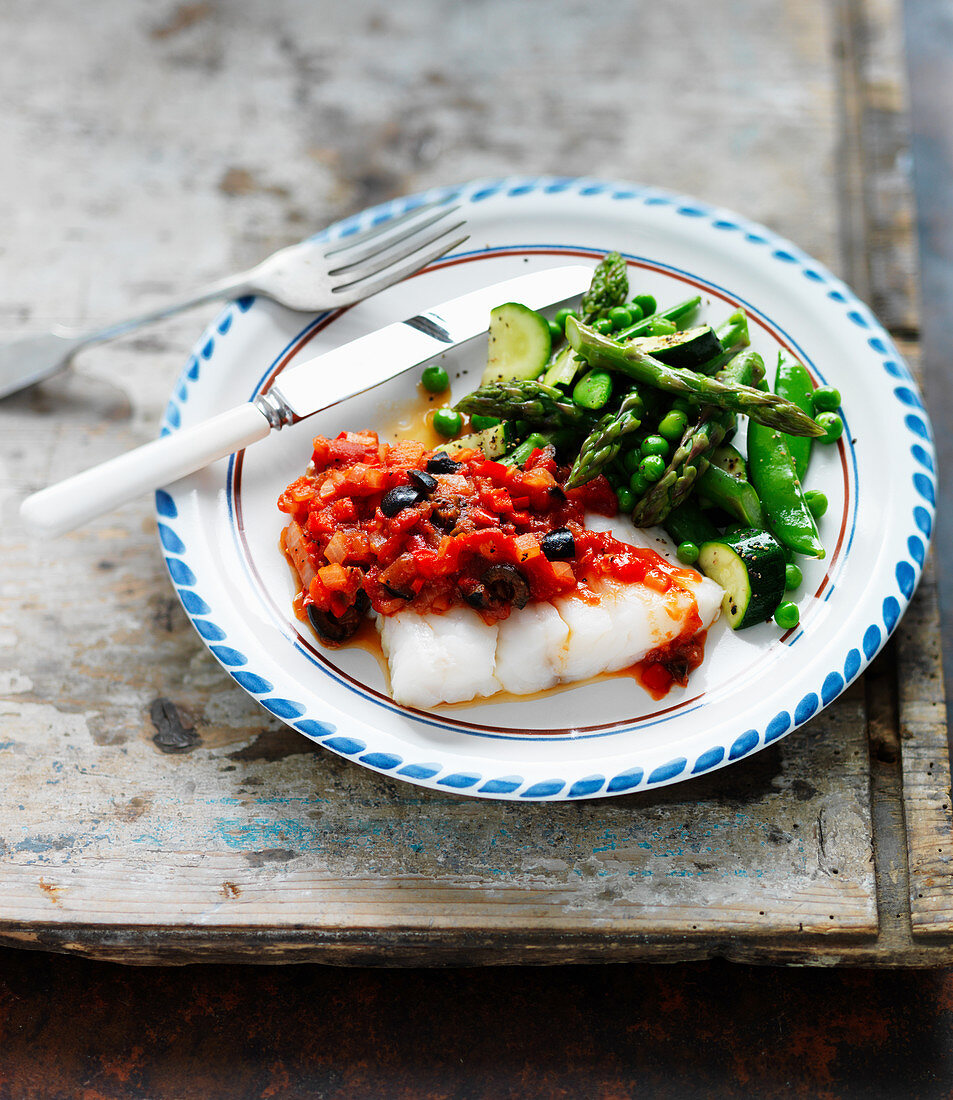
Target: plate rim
{"type": "Point", "coordinates": [908, 571]}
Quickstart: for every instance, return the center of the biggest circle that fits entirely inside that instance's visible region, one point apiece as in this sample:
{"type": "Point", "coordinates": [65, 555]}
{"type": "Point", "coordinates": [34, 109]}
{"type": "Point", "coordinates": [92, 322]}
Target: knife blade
{"type": "Point", "coordinates": [298, 392]}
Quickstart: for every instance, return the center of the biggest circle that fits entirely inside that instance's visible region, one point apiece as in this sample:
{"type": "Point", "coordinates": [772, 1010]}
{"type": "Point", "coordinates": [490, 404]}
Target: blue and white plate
{"type": "Point", "coordinates": [220, 528]}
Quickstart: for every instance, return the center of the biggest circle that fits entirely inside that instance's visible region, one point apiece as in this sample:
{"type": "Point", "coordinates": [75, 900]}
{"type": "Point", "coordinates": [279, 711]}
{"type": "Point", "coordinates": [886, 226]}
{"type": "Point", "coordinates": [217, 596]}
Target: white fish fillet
{"type": "Point", "coordinates": [454, 657]}
{"type": "Point", "coordinates": [436, 659]}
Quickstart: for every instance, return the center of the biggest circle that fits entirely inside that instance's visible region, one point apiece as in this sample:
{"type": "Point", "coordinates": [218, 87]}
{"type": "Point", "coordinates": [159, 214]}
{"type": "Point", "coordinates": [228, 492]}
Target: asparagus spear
{"type": "Point", "coordinates": [536, 403]}
{"type": "Point", "coordinates": [609, 287]}
{"type": "Point", "coordinates": [765, 408]}
{"type": "Point", "coordinates": [687, 464]}
{"type": "Point", "coordinates": [605, 441]}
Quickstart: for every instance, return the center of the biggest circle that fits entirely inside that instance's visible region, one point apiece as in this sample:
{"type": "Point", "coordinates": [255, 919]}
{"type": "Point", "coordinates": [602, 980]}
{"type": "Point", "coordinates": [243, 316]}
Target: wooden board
{"type": "Point", "coordinates": [151, 811]}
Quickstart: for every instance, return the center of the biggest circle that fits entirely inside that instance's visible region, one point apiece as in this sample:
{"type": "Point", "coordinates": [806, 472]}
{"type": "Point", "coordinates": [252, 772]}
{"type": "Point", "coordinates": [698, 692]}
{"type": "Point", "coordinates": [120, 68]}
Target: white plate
{"type": "Point", "coordinates": [219, 529]}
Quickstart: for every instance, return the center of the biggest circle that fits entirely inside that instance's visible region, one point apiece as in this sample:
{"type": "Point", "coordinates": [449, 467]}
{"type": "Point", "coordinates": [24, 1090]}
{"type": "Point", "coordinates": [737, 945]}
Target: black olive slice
{"type": "Point", "coordinates": [559, 545]}
{"type": "Point", "coordinates": [399, 498]}
{"type": "Point", "coordinates": [332, 629]}
{"type": "Point", "coordinates": [424, 483]}
{"type": "Point", "coordinates": [445, 513]}
{"type": "Point", "coordinates": [505, 584]}
{"type": "Point", "coordinates": [442, 464]}
{"type": "Point", "coordinates": [476, 598]}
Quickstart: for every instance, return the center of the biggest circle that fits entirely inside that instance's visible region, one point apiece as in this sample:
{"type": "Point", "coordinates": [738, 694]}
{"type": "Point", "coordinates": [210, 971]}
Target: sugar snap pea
{"type": "Point", "coordinates": [688, 523]}
{"type": "Point", "coordinates": [734, 495]}
{"type": "Point", "coordinates": [593, 390]}
{"type": "Point", "coordinates": [773, 475]}
{"type": "Point", "coordinates": [793, 382]}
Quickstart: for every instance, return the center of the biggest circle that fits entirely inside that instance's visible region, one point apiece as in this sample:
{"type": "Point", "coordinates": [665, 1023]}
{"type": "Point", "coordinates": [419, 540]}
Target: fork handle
{"type": "Point", "coordinates": [232, 287]}
{"type": "Point", "coordinates": [64, 506]}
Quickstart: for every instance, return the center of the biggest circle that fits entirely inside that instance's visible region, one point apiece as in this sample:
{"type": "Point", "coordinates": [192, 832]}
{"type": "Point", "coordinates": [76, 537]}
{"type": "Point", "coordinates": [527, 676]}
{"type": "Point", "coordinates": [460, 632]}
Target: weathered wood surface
{"type": "Point", "coordinates": [250, 844]}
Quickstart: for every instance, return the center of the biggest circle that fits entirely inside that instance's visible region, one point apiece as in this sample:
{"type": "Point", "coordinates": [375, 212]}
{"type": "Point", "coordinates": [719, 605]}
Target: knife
{"type": "Point", "coordinates": [295, 394]}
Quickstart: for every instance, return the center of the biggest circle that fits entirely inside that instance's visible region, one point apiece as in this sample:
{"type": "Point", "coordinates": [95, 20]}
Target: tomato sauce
{"type": "Point", "coordinates": [397, 526]}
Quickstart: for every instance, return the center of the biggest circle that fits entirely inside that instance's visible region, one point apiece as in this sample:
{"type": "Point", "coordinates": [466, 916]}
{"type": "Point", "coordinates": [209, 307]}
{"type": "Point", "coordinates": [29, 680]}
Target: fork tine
{"type": "Point", "coordinates": [381, 261]}
{"type": "Point", "coordinates": [380, 228]}
{"type": "Point", "coordinates": [380, 243]}
{"type": "Point", "coordinates": [365, 287]}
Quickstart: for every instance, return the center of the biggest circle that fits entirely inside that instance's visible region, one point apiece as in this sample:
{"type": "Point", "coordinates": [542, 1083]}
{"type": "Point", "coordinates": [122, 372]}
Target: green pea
{"type": "Point", "coordinates": [646, 303]}
{"type": "Point", "coordinates": [787, 615]}
{"type": "Point", "coordinates": [625, 499]}
{"type": "Point", "coordinates": [555, 332]}
{"type": "Point", "coordinates": [562, 316]}
{"type": "Point", "coordinates": [603, 325]}
{"type": "Point", "coordinates": [620, 317]}
{"type": "Point", "coordinates": [826, 399]}
{"type": "Point", "coordinates": [635, 310]}
{"type": "Point", "coordinates": [638, 484]}
{"type": "Point", "coordinates": [654, 445]}
{"type": "Point", "coordinates": [434, 379]}
{"type": "Point", "coordinates": [681, 405]}
{"type": "Point", "coordinates": [631, 460]}
{"type": "Point", "coordinates": [816, 501]}
{"type": "Point", "coordinates": [481, 423]}
{"type": "Point", "coordinates": [833, 427]}
{"type": "Point", "coordinates": [662, 327]}
{"type": "Point", "coordinates": [792, 577]}
{"type": "Point", "coordinates": [593, 390]}
{"type": "Point", "coordinates": [687, 553]}
{"type": "Point", "coordinates": [446, 422]}
{"type": "Point", "coordinates": [672, 425]}
{"type": "Point", "coordinates": [652, 467]}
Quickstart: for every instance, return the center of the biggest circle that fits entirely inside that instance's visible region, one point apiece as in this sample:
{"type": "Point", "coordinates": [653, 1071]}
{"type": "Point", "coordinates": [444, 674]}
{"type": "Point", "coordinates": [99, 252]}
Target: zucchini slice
{"type": "Point", "coordinates": [564, 368]}
{"type": "Point", "coordinates": [520, 344]}
{"type": "Point", "coordinates": [492, 442]}
{"type": "Point", "coordinates": [749, 565]}
{"type": "Point", "coordinates": [731, 461]}
{"type": "Point", "coordinates": [688, 349]}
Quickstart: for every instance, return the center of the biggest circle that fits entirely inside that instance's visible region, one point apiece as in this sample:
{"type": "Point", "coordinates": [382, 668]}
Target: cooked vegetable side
{"type": "Point", "coordinates": [653, 405]}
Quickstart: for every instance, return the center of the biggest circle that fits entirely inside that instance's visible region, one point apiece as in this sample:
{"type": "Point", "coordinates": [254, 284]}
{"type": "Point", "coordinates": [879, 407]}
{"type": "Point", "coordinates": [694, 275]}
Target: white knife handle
{"type": "Point", "coordinates": [72, 502]}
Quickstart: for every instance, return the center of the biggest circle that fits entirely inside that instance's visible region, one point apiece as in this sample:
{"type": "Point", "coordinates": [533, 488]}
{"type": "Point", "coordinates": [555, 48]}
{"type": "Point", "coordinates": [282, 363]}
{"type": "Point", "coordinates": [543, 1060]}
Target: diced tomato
{"type": "Point", "coordinates": [352, 447]}
{"type": "Point", "coordinates": [527, 546]}
{"type": "Point", "coordinates": [431, 554]}
{"type": "Point", "coordinates": [336, 549]}
{"type": "Point", "coordinates": [333, 576]}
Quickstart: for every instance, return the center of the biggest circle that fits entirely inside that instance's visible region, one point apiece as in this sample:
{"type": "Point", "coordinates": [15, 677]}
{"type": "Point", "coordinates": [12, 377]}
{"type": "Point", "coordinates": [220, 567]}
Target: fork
{"type": "Point", "coordinates": [310, 277]}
